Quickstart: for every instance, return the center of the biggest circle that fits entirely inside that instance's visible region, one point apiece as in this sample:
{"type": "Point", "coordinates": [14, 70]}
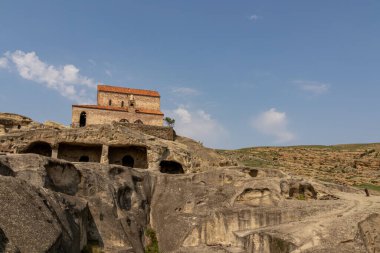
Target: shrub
{"type": "Point", "coordinates": [152, 247]}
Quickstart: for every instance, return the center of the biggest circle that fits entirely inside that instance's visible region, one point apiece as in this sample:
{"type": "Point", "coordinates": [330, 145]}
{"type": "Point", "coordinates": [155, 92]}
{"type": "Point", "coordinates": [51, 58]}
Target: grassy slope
{"type": "Point", "coordinates": [352, 164]}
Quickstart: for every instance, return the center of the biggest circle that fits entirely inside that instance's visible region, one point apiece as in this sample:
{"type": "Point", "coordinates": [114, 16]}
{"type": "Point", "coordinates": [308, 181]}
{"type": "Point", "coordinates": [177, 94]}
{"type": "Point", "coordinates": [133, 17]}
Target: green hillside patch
{"type": "Point", "coordinates": [369, 187]}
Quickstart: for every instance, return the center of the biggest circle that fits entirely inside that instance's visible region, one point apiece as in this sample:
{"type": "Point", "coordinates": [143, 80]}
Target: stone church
{"type": "Point", "coordinates": [122, 105]}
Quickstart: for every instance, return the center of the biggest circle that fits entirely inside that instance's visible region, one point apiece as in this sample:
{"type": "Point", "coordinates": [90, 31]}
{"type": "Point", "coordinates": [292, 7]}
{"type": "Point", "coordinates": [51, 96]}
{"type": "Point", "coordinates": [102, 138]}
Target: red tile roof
{"type": "Point", "coordinates": [108, 88]}
{"type": "Point", "coordinates": [124, 109]}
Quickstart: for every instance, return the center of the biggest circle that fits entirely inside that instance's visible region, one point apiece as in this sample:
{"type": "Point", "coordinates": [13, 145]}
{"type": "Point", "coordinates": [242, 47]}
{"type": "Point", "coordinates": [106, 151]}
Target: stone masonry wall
{"type": "Point", "coordinates": [99, 116]}
{"type": "Point", "coordinates": [145, 102]}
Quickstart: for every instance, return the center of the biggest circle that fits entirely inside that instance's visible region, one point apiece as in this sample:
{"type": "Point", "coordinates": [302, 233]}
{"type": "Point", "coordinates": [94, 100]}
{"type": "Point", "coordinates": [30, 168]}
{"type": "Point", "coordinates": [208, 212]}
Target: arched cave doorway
{"type": "Point", "coordinates": [128, 161]}
{"type": "Point", "coordinates": [75, 152]}
{"type": "Point", "coordinates": [139, 122]}
{"type": "Point", "coordinates": [171, 167]}
{"type": "Point", "coordinates": [82, 119]}
{"type": "Point", "coordinates": [39, 148]}
{"type": "Point", "coordinates": [84, 159]}
{"type": "Point", "coordinates": [118, 155]}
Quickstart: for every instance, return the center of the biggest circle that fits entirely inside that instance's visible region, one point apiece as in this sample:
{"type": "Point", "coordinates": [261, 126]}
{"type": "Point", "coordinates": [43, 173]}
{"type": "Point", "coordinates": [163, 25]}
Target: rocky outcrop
{"type": "Point", "coordinates": [52, 205]}
{"type": "Point", "coordinates": [350, 164]}
{"type": "Point", "coordinates": [369, 230]}
{"type": "Point", "coordinates": [114, 189]}
{"type": "Point", "coordinates": [55, 125]}
{"type": "Point", "coordinates": [74, 206]}
{"type": "Point", "coordinates": [107, 143]}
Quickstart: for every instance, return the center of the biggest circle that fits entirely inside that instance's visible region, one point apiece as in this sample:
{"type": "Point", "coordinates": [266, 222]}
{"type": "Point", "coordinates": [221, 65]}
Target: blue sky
{"type": "Point", "coordinates": [232, 73]}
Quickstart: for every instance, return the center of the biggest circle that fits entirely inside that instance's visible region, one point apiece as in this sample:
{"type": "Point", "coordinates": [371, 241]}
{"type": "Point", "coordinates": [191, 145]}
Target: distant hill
{"type": "Point", "coordinates": [351, 164]}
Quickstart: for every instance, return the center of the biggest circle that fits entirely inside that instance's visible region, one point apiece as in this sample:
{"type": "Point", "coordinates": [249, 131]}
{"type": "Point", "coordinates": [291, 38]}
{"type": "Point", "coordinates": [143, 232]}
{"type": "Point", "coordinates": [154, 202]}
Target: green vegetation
{"type": "Point", "coordinates": [367, 152]}
{"type": "Point", "coordinates": [256, 163]}
{"type": "Point", "coordinates": [152, 247]}
{"type": "Point", "coordinates": [369, 187]}
{"type": "Point", "coordinates": [301, 197]}
{"type": "Point", "coordinates": [169, 121]}
{"type": "Point", "coordinates": [92, 247]}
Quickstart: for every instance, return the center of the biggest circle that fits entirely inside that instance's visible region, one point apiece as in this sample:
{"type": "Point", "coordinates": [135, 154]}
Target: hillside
{"type": "Point", "coordinates": [351, 164]}
{"type": "Point", "coordinates": [116, 188]}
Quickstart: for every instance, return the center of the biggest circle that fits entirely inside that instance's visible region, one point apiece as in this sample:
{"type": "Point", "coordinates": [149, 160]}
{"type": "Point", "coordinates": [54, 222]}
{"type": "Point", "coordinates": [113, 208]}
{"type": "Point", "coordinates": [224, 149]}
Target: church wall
{"type": "Point", "coordinates": [99, 116]}
{"type": "Point", "coordinates": [146, 102]}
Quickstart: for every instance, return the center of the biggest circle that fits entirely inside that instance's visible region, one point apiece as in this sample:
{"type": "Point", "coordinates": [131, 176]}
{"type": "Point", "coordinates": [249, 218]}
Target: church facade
{"type": "Point", "coordinates": [122, 105]}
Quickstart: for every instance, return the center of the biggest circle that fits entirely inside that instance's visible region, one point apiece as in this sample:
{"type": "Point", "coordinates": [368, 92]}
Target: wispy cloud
{"type": "Point", "coordinates": [64, 79]}
{"type": "Point", "coordinates": [254, 17]}
{"type": "Point", "coordinates": [108, 72]}
{"type": "Point", "coordinates": [3, 62]}
{"type": "Point", "coordinates": [92, 62]}
{"type": "Point", "coordinates": [185, 91]}
{"type": "Point", "coordinates": [275, 124]}
{"type": "Point", "coordinates": [316, 88]}
{"type": "Point", "coordinates": [199, 125]}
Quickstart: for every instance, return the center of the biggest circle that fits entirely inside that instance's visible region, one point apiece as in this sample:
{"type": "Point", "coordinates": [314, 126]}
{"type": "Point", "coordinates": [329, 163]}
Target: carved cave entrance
{"type": "Point", "coordinates": [171, 167]}
{"type": "Point", "coordinates": [84, 159]}
{"type": "Point", "coordinates": [131, 156]}
{"type": "Point", "coordinates": [75, 152]}
{"type": "Point", "coordinates": [40, 148]}
{"type": "Point", "coordinates": [128, 161]}
{"type": "Point", "coordinates": [82, 119]}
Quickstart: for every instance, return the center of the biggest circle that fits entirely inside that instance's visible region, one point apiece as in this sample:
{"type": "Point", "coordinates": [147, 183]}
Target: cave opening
{"type": "Point", "coordinates": [130, 156]}
{"type": "Point", "coordinates": [84, 159]}
{"type": "Point", "coordinates": [128, 161]}
{"type": "Point", "coordinates": [39, 148]}
{"type": "Point", "coordinates": [171, 167]}
{"type": "Point", "coordinates": [75, 152]}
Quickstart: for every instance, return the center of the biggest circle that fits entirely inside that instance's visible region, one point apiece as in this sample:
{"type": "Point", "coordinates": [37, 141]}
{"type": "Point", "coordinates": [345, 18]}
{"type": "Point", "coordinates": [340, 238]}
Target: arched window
{"type": "Point", "coordinates": [110, 102]}
{"type": "Point", "coordinates": [122, 103]}
{"type": "Point", "coordinates": [128, 161]}
{"type": "Point", "coordinates": [139, 122]}
{"type": "Point", "coordinates": [82, 119]}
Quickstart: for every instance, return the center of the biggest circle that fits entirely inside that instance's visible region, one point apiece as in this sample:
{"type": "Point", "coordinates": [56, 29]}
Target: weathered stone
{"type": "Point", "coordinates": [131, 181]}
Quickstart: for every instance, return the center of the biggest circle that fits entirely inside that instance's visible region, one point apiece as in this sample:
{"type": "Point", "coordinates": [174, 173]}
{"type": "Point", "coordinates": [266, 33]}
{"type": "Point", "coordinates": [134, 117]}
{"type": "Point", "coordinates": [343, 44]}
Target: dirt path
{"type": "Point", "coordinates": [339, 225]}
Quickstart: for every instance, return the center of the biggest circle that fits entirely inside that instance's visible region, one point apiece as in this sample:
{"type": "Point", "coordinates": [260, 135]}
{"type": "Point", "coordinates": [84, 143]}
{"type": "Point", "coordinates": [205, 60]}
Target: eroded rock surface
{"type": "Point", "coordinates": [191, 197]}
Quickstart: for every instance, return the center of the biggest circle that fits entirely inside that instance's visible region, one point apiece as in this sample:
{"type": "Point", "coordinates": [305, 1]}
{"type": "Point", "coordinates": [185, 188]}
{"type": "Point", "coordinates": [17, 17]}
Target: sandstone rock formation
{"type": "Point", "coordinates": [50, 205]}
{"type": "Point", "coordinates": [188, 197]}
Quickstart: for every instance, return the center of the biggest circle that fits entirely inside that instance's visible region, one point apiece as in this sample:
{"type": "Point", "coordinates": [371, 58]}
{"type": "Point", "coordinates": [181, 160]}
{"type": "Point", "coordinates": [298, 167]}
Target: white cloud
{"type": "Point", "coordinates": [64, 79]}
{"type": "Point", "coordinates": [3, 63]}
{"type": "Point", "coordinates": [273, 123]}
{"type": "Point", "coordinates": [198, 125]}
{"type": "Point", "coordinates": [185, 91]}
{"type": "Point", "coordinates": [254, 17]}
{"type": "Point", "coordinates": [316, 88]}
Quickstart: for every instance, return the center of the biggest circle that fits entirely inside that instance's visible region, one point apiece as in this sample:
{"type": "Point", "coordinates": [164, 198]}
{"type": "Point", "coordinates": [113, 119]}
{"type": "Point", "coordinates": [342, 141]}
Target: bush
{"type": "Point", "coordinates": [152, 247]}
{"type": "Point", "coordinates": [301, 197]}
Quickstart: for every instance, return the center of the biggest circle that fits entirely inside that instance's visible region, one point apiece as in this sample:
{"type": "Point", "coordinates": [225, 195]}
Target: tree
{"type": "Point", "coordinates": [169, 121]}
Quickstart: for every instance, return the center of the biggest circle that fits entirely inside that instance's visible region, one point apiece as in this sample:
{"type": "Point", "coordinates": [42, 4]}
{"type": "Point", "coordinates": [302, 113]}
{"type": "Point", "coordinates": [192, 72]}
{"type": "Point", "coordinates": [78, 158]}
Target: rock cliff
{"type": "Point", "coordinates": [175, 195]}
